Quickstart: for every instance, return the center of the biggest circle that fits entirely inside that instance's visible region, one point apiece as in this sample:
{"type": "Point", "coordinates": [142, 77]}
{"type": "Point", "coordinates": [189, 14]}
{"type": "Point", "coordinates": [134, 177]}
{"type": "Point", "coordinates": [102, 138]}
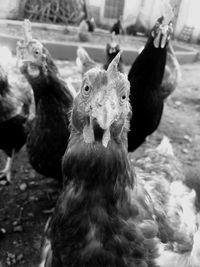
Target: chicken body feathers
{"type": "Point", "coordinates": [15, 108]}
{"type": "Point", "coordinates": [98, 210]}
{"type": "Point", "coordinates": [161, 175]}
{"type": "Point", "coordinates": [49, 135]}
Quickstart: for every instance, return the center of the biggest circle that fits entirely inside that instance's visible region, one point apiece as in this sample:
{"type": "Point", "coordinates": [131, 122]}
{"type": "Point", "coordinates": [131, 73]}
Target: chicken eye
{"type": "Point", "coordinates": [36, 52]}
{"type": "Point", "coordinates": [123, 97]}
{"type": "Point", "coordinates": [86, 90]}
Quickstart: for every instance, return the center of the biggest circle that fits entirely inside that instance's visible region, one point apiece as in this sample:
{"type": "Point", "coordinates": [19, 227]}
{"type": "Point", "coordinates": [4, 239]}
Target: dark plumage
{"type": "Point", "coordinates": [95, 222]}
{"type": "Point", "coordinates": [49, 135]}
{"type": "Point", "coordinates": [112, 49]}
{"type": "Point", "coordinates": [91, 24]}
{"type": "Point", "coordinates": [15, 119]}
{"type": "Point", "coordinates": [145, 77]}
{"type": "Point", "coordinates": [117, 27]}
{"type": "Point", "coordinates": [172, 73]}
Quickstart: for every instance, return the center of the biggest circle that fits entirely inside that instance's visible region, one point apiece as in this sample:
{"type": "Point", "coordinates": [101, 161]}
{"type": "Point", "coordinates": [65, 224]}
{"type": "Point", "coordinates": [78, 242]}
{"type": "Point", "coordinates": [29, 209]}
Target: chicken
{"type": "Point", "coordinates": [162, 162]}
{"type": "Point", "coordinates": [160, 174]}
{"type": "Point", "coordinates": [145, 77]}
{"type": "Point", "coordinates": [174, 256]}
{"type": "Point", "coordinates": [158, 171]}
{"type": "Point", "coordinates": [91, 24]}
{"type": "Point", "coordinates": [107, 215]}
{"type": "Point", "coordinates": [49, 135]}
{"type": "Point", "coordinates": [172, 73]}
{"type": "Point", "coordinates": [117, 27]}
{"type": "Point", "coordinates": [83, 33]}
{"type": "Point", "coordinates": [15, 118]}
{"type": "Point", "coordinates": [95, 223]}
{"type": "Point", "coordinates": [84, 61]}
{"type": "Point", "coordinates": [112, 49]}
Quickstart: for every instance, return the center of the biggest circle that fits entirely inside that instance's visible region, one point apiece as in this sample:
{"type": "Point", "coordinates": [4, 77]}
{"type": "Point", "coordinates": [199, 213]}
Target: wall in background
{"type": "Point", "coordinates": [9, 9]}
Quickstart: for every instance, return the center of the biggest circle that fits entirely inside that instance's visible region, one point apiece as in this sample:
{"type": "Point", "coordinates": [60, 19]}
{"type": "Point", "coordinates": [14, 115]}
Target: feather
{"type": "Point", "coordinates": [95, 223]}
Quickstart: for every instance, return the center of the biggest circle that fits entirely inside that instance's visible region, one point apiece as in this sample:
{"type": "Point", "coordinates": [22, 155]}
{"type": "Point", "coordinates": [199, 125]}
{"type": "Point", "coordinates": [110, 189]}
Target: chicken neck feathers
{"type": "Point", "coordinates": [49, 135]}
{"type": "Point", "coordinates": [145, 78]}
{"type": "Point", "coordinates": [95, 203]}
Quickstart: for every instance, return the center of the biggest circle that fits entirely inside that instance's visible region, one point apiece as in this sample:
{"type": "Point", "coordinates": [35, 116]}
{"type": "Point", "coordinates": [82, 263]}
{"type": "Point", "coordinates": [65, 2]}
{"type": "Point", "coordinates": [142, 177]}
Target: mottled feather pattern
{"type": "Point", "coordinates": [174, 205]}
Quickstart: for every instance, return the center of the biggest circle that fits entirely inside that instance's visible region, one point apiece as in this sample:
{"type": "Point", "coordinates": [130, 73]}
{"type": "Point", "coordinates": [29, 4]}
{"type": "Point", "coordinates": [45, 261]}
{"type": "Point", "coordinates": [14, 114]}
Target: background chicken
{"type": "Point", "coordinates": [91, 24]}
{"type": "Point", "coordinates": [94, 223]}
{"type": "Point", "coordinates": [112, 49]}
{"type": "Point", "coordinates": [15, 117]}
{"type": "Point", "coordinates": [49, 135]}
{"type": "Point", "coordinates": [172, 73]}
{"type": "Point", "coordinates": [176, 212]}
{"type": "Point", "coordinates": [145, 77]}
{"type": "Point", "coordinates": [117, 27]}
{"type": "Point", "coordinates": [83, 33]}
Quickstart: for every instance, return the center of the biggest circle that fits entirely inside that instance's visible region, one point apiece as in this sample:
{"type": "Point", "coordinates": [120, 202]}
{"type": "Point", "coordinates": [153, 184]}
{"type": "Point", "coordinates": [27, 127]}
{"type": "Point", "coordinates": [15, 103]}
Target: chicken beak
{"type": "Point", "coordinates": [105, 111]}
{"type": "Point", "coordinates": [162, 37]}
{"type": "Point", "coordinates": [24, 58]}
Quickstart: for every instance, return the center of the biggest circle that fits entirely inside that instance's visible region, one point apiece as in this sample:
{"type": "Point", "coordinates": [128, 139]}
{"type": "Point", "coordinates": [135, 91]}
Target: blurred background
{"type": "Point", "coordinates": [138, 14]}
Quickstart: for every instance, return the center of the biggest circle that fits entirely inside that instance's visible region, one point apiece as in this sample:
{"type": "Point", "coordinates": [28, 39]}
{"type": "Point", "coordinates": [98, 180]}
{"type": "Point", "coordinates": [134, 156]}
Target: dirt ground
{"type": "Point", "coordinates": [25, 204]}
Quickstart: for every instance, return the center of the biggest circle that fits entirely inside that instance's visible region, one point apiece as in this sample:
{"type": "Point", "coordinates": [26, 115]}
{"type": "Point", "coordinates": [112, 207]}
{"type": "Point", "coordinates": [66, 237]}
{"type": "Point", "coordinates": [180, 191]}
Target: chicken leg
{"type": "Point", "coordinates": [6, 172]}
